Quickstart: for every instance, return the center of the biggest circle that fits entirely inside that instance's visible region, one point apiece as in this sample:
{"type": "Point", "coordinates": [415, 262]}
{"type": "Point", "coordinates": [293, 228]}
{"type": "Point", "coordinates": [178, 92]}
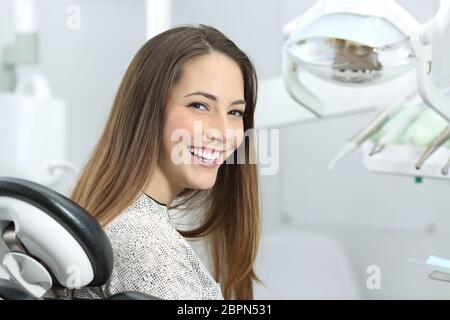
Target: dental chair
{"type": "Point", "coordinates": [49, 245]}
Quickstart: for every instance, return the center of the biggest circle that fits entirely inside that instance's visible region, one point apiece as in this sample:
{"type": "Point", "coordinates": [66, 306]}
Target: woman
{"type": "Point", "coordinates": [179, 116]}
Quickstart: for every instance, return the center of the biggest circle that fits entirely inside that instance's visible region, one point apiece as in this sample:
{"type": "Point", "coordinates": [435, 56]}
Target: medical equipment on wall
{"type": "Point", "coordinates": [33, 126]}
{"type": "Point", "coordinates": [32, 147]}
{"type": "Point", "coordinates": [33, 122]}
{"type": "Point", "coordinates": [24, 51]}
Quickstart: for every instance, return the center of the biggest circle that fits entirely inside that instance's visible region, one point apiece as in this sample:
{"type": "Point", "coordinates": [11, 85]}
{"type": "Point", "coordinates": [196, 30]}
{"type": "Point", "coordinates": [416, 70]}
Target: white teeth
{"type": "Point", "coordinates": [205, 154]}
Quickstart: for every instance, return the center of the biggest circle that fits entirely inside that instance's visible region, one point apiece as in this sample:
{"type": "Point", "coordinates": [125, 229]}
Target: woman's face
{"type": "Point", "coordinates": [203, 121]}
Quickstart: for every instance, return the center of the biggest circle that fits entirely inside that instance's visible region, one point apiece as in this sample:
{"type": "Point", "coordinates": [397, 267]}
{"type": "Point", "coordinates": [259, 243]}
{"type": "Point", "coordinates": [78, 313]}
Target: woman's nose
{"type": "Point", "coordinates": [217, 129]}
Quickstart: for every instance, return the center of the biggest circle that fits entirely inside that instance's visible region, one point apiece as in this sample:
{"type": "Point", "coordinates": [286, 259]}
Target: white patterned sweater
{"type": "Point", "coordinates": [152, 257]}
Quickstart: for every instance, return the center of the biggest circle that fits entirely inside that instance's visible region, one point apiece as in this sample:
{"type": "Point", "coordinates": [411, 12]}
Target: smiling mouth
{"type": "Point", "coordinates": [206, 156]}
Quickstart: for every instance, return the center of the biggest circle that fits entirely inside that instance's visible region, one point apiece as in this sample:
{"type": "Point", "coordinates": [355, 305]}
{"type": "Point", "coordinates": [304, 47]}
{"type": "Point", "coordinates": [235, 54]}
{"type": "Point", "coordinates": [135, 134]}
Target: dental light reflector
{"type": "Point", "coordinates": [351, 49]}
{"type": "Point", "coordinates": [360, 45]}
{"type": "Point", "coordinates": [352, 63]}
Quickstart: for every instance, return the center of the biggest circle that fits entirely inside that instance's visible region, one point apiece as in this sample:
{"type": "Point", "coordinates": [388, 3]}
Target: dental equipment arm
{"type": "Point", "coordinates": [297, 90]}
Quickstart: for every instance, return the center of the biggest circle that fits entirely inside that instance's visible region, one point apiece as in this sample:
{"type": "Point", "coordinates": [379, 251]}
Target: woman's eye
{"type": "Point", "coordinates": [237, 113]}
{"type": "Point", "coordinates": [197, 105]}
{"type": "Point", "coordinates": [201, 106]}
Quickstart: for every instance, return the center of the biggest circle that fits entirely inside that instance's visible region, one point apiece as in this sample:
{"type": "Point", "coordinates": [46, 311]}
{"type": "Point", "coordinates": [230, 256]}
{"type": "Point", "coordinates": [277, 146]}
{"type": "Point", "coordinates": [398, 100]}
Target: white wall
{"type": "Point", "coordinates": [85, 66]}
{"type": "Point", "coordinates": [5, 22]}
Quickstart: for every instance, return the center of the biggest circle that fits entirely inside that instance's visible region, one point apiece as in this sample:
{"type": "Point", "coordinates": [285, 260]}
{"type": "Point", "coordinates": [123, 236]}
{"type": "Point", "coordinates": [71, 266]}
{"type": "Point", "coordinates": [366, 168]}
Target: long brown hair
{"type": "Point", "coordinates": [121, 163]}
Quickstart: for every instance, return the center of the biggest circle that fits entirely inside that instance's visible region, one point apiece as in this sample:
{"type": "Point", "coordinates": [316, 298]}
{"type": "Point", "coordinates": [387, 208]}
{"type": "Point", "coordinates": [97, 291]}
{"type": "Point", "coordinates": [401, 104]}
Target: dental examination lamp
{"type": "Point", "coordinates": [361, 44]}
{"type": "Point", "coordinates": [366, 50]}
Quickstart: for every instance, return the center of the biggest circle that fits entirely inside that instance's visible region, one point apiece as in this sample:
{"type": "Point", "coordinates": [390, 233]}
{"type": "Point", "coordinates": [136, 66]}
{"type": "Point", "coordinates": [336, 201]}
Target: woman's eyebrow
{"type": "Point", "coordinates": [213, 97]}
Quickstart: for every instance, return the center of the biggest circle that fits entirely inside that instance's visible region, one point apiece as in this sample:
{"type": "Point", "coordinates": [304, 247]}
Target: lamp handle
{"type": "Point", "coordinates": [428, 90]}
{"type": "Point", "coordinates": [297, 90]}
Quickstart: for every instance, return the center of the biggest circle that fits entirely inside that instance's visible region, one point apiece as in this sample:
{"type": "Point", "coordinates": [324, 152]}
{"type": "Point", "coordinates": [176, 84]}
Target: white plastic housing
{"type": "Point", "coordinates": [32, 130]}
{"type": "Point", "coordinates": [25, 16]}
{"type": "Point", "coordinates": [48, 240]}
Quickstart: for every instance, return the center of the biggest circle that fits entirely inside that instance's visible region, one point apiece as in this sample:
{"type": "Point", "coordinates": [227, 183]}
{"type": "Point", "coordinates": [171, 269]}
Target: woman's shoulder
{"type": "Point", "coordinates": [146, 229]}
{"type": "Point", "coordinates": [139, 215]}
{"type": "Point", "coordinates": [149, 253]}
